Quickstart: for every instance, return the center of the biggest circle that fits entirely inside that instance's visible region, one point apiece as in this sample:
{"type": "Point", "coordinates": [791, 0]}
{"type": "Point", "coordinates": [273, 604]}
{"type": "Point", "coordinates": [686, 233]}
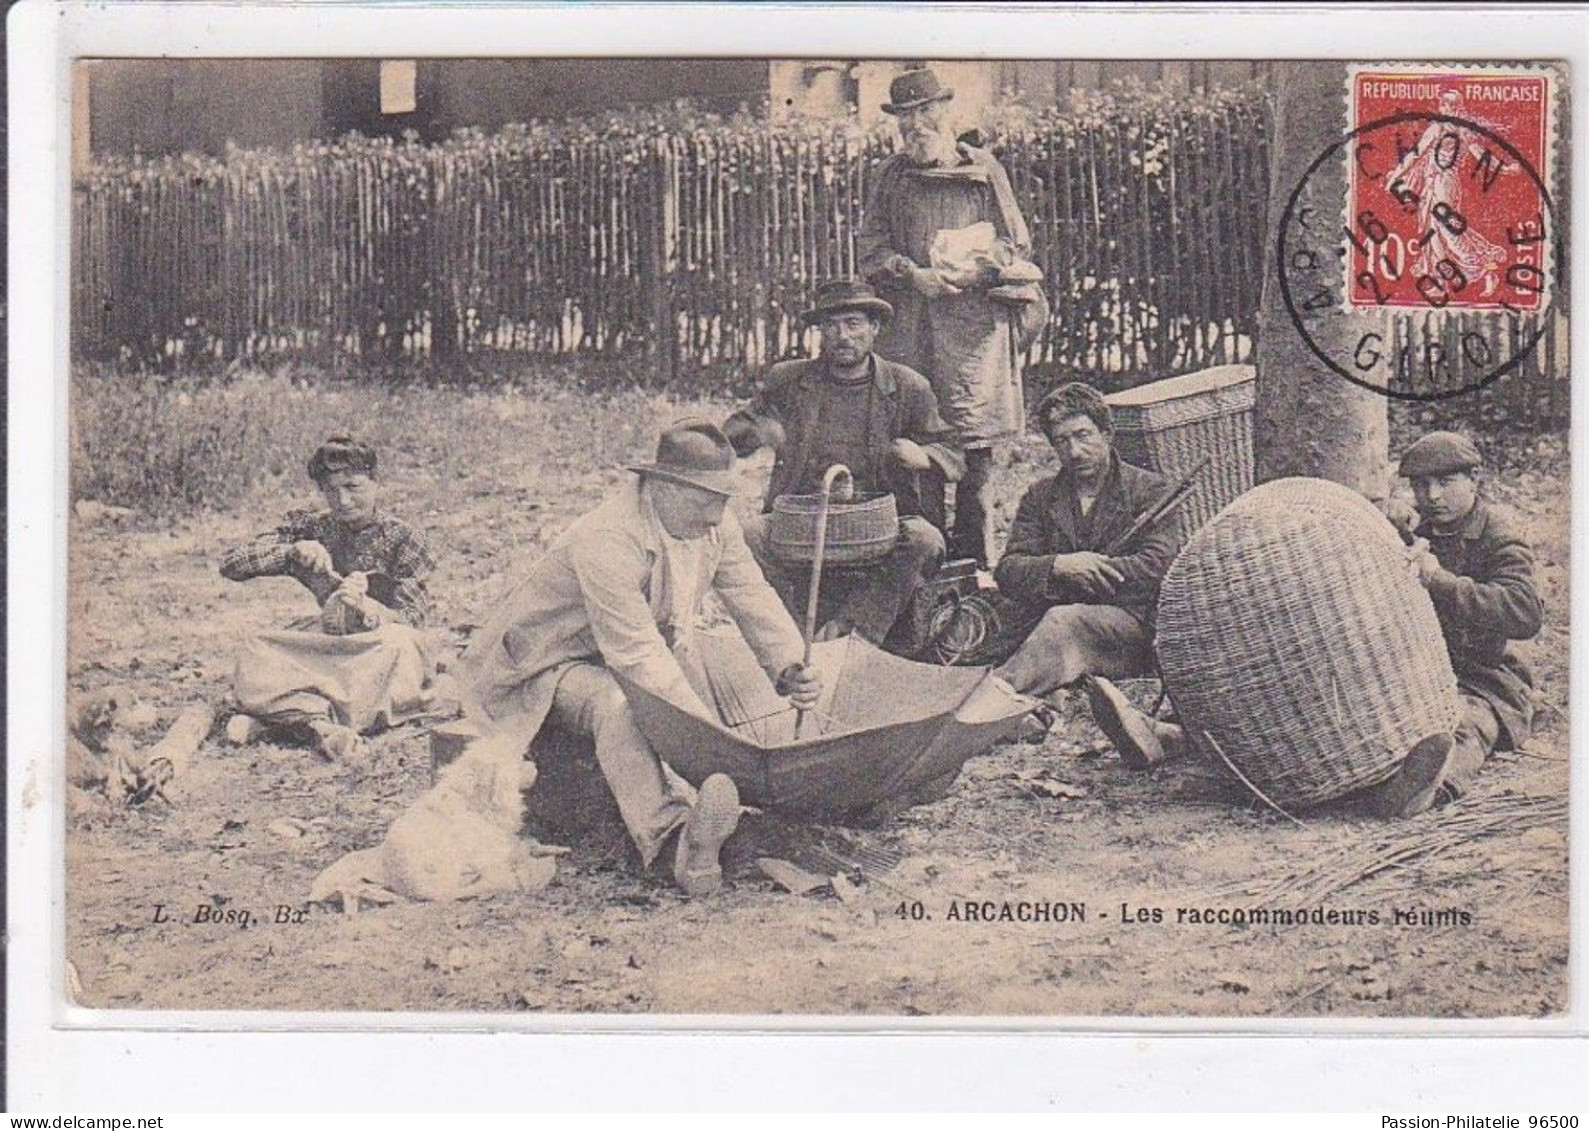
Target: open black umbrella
{"type": "Point", "coordinates": [885, 725]}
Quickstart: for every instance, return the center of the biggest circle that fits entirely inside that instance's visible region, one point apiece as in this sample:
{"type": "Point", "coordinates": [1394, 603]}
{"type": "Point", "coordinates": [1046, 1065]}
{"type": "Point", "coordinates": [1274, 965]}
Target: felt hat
{"type": "Point", "coordinates": [695, 453]}
{"type": "Point", "coordinates": [1439, 453]}
{"type": "Point", "coordinates": [911, 89]}
{"type": "Point", "coordinates": [839, 295]}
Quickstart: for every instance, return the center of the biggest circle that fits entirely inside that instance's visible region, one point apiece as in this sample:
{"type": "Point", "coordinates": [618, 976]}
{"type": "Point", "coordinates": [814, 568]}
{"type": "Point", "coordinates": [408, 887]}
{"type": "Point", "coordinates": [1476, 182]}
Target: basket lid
{"type": "Point", "coordinates": [1187, 385]}
{"type": "Point", "coordinates": [835, 506]}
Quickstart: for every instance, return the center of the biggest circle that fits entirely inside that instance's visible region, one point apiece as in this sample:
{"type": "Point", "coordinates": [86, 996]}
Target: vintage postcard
{"type": "Point", "coordinates": [853, 538]}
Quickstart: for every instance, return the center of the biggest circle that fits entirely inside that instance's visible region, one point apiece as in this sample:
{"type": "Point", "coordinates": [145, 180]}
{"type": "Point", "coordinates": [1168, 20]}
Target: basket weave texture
{"type": "Point", "coordinates": [1292, 630]}
{"type": "Point", "coordinates": [1168, 426]}
{"type": "Point", "coordinates": [862, 530]}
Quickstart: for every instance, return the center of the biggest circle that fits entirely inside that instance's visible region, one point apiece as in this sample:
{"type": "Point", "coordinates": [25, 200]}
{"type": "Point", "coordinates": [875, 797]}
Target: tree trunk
{"type": "Point", "coordinates": [1308, 419]}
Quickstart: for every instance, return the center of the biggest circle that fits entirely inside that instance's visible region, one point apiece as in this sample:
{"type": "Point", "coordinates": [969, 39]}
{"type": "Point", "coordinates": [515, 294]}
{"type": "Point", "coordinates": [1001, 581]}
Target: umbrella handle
{"type": "Point", "coordinates": [833, 474]}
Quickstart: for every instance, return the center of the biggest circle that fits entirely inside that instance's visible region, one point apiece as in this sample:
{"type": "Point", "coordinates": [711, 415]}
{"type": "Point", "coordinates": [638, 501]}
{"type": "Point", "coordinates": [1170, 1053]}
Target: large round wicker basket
{"type": "Point", "coordinates": [1320, 496]}
{"type": "Point", "coordinates": [860, 530]}
{"type": "Point", "coordinates": [1294, 634]}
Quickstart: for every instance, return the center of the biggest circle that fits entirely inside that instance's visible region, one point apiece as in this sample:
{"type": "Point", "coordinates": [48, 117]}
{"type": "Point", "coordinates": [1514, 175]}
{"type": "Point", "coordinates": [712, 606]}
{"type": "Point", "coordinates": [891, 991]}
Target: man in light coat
{"type": "Point", "coordinates": [620, 591]}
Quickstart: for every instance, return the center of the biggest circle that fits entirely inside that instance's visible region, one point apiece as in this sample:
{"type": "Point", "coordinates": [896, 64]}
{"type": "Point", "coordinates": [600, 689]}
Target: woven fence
{"type": "Point", "coordinates": [684, 246]}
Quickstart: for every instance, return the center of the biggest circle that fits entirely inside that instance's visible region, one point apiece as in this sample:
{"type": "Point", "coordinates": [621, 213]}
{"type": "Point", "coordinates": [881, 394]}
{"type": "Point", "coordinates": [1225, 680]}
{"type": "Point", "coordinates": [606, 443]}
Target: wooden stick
{"type": "Point", "coordinates": [1178, 495]}
{"type": "Point", "coordinates": [1243, 777]}
{"type": "Point", "coordinates": [832, 474]}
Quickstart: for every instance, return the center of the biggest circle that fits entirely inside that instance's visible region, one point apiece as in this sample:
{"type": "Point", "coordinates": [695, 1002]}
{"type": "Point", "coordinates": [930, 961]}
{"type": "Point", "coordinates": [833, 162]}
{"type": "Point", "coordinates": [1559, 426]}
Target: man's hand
{"type": "Point", "coordinates": [1092, 571]}
{"type": "Point", "coordinates": [1424, 561]}
{"type": "Point", "coordinates": [836, 629]}
{"type": "Point", "coordinates": [353, 593]}
{"type": "Point", "coordinates": [909, 455]}
{"type": "Point", "coordinates": [312, 556]}
{"type": "Point", "coordinates": [931, 284]}
{"type": "Point", "coordinates": [801, 685]}
{"type": "Point", "coordinates": [1402, 515]}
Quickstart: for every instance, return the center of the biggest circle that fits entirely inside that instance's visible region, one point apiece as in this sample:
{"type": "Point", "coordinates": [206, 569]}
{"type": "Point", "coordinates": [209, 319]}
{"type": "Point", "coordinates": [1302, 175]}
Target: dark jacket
{"type": "Point", "coordinates": [791, 395]}
{"type": "Point", "coordinates": [1049, 522]}
{"type": "Point", "coordinates": [1484, 595]}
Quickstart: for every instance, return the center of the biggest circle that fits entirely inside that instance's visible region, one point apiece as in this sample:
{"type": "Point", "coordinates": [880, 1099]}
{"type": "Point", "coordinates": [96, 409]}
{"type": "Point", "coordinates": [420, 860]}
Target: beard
{"type": "Point", "coordinates": [929, 147]}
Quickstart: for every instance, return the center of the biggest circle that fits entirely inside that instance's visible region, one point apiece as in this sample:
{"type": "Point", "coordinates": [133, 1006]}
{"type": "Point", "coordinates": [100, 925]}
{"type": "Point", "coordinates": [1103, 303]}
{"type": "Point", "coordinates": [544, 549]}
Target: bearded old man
{"type": "Point", "coordinates": [963, 336]}
{"type": "Point", "coordinates": [621, 591]}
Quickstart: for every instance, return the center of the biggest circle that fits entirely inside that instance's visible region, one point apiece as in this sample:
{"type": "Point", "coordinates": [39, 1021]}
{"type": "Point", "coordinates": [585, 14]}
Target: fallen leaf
{"type": "Point", "coordinates": [788, 876]}
{"type": "Point", "coordinates": [1062, 790]}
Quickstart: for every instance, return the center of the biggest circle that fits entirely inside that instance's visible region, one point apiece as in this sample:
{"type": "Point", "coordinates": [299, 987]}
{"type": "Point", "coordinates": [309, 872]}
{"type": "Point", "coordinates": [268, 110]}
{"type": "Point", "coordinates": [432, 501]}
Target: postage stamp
{"type": "Point", "coordinates": [1449, 207]}
{"type": "Point", "coordinates": [742, 536]}
{"type": "Point", "coordinates": [1434, 278]}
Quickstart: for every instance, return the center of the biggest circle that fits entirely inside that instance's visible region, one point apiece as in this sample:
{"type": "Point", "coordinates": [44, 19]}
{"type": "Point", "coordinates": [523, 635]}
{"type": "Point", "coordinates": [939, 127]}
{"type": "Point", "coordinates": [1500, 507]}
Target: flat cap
{"type": "Point", "coordinates": [1439, 453]}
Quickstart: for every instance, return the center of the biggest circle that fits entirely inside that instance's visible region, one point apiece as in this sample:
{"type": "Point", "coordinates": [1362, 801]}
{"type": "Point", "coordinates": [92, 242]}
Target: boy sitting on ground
{"type": "Point", "coordinates": [360, 664]}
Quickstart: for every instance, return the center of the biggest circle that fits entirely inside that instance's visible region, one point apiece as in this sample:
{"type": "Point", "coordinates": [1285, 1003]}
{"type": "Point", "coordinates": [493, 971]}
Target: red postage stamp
{"type": "Point", "coordinates": [1448, 189]}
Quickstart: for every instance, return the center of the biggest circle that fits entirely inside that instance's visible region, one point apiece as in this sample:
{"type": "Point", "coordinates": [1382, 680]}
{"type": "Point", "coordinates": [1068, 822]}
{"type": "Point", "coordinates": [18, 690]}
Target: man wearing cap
{"type": "Point", "coordinates": [877, 418]}
{"type": "Point", "coordinates": [1070, 561]}
{"type": "Point", "coordinates": [360, 663]}
{"type": "Point", "coordinates": [620, 591]}
{"type": "Point", "coordinates": [1479, 573]}
{"type": "Point", "coordinates": [964, 335]}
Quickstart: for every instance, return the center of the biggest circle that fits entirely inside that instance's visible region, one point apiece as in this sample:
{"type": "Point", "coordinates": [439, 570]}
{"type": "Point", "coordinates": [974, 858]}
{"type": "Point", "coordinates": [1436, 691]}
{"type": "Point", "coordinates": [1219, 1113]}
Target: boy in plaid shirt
{"type": "Point", "coordinates": [361, 663]}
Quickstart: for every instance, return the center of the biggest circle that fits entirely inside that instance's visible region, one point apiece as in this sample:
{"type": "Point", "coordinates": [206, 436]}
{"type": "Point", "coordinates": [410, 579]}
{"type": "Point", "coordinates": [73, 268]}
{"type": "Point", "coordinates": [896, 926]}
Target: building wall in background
{"type": "Point", "coordinates": [161, 106]}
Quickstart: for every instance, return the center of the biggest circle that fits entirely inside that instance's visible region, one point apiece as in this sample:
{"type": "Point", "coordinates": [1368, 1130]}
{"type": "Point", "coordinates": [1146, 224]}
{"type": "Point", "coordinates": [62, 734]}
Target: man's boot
{"type": "Point", "coordinates": [1135, 736]}
{"type": "Point", "coordinates": [1415, 785]}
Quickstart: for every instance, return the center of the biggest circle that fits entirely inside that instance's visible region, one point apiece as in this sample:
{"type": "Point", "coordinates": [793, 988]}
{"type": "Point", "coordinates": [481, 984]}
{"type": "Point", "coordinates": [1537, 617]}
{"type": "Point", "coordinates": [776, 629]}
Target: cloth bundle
{"type": "Point", "coordinates": [977, 256]}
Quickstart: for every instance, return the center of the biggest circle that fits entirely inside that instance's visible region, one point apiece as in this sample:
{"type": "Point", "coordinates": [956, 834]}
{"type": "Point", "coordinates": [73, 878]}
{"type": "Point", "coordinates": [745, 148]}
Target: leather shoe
{"type": "Point", "coordinates": [1415, 786]}
{"type": "Point", "coordinates": [696, 867]}
{"type": "Point", "coordinates": [1127, 728]}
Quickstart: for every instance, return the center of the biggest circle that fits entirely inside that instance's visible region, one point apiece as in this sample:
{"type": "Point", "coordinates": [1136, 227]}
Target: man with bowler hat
{"type": "Point", "coordinates": [620, 591]}
{"type": "Point", "coordinates": [965, 337]}
{"type": "Point", "coordinates": [876, 417]}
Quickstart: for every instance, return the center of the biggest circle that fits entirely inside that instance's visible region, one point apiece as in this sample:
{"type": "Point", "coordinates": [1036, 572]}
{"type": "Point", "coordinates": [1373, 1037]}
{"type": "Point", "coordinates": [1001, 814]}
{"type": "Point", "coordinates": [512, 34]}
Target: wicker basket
{"type": "Point", "coordinates": [1168, 426]}
{"type": "Point", "coordinates": [1292, 631]}
{"type": "Point", "coordinates": [861, 530]}
{"type": "Point", "coordinates": [1320, 496]}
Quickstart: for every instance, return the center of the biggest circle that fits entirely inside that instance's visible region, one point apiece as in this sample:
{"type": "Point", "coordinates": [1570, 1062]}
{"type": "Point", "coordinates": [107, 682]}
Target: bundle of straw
{"type": "Point", "coordinates": [1506, 816]}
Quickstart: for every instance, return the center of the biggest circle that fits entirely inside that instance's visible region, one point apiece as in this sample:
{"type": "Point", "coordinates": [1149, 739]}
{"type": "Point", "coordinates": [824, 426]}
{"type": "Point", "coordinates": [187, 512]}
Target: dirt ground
{"type": "Point", "coordinates": [1476, 929]}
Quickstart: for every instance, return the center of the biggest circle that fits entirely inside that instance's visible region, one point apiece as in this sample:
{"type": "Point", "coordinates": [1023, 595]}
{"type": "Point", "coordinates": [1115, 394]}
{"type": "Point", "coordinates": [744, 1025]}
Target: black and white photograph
{"type": "Point", "coordinates": [869, 538]}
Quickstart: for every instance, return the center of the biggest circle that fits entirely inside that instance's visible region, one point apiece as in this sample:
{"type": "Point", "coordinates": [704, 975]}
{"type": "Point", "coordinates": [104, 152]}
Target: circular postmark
{"type": "Point", "coordinates": [1434, 278]}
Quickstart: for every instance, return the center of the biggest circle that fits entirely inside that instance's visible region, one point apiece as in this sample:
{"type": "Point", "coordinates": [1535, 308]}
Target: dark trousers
{"type": "Point", "coordinates": [1474, 739]}
{"type": "Point", "coordinates": [870, 597]}
{"type": "Point", "coordinates": [972, 535]}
